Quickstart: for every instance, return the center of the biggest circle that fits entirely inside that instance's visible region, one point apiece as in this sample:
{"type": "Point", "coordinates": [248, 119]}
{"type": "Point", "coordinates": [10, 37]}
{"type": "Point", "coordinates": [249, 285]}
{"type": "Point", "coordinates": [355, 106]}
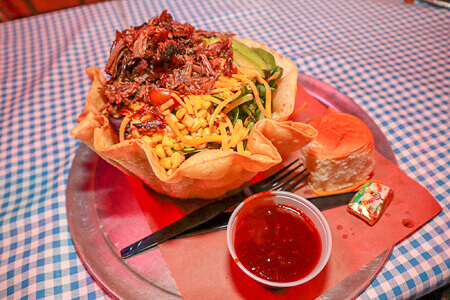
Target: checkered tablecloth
{"type": "Point", "coordinates": [392, 58]}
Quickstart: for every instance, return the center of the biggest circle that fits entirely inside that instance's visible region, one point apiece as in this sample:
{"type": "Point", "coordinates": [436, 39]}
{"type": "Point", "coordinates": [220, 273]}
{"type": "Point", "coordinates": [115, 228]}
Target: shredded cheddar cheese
{"type": "Point", "coordinates": [240, 147]}
{"type": "Point", "coordinates": [166, 105]}
{"type": "Point", "coordinates": [224, 137]}
{"type": "Point", "coordinates": [238, 102]}
{"type": "Point", "coordinates": [228, 122]}
{"type": "Point", "coordinates": [176, 97]}
{"type": "Point", "coordinates": [123, 126]}
{"type": "Point", "coordinates": [298, 110]}
{"type": "Point", "coordinates": [268, 96]}
{"type": "Point", "coordinates": [275, 75]}
{"type": "Point", "coordinates": [256, 94]}
{"type": "Point", "coordinates": [188, 105]}
{"type": "Point", "coordinates": [222, 105]}
{"type": "Point", "coordinates": [196, 122]}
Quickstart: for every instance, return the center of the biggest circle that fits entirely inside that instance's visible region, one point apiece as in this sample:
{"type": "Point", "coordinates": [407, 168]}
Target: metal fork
{"type": "Point", "coordinates": [283, 179]}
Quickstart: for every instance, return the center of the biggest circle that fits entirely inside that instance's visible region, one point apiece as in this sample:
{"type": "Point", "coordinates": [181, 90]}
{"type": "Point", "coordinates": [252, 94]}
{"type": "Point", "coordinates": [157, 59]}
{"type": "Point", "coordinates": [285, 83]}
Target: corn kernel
{"type": "Point", "coordinates": [196, 103]}
{"type": "Point", "coordinates": [184, 131]}
{"type": "Point", "coordinates": [168, 151]}
{"type": "Point", "coordinates": [206, 131]}
{"type": "Point", "coordinates": [206, 105]}
{"type": "Point", "coordinates": [173, 118]}
{"type": "Point", "coordinates": [177, 158]}
{"type": "Point", "coordinates": [203, 123]}
{"type": "Point", "coordinates": [146, 139]}
{"type": "Point", "coordinates": [180, 125]}
{"type": "Point", "coordinates": [160, 151]}
{"type": "Point", "coordinates": [195, 125]}
{"type": "Point", "coordinates": [174, 167]}
{"type": "Point", "coordinates": [226, 94]}
{"type": "Point", "coordinates": [180, 113]}
{"type": "Point", "coordinates": [202, 114]}
{"type": "Point", "coordinates": [169, 172]}
{"type": "Point", "coordinates": [188, 121]}
{"type": "Point", "coordinates": [246, 152]}
{"type": "Point", "coordinates": [201, 102]}
{"type": "Point", "coordinates": [136, 133]}
{"type": "Point", "coordinates": [200, 146]}
{"type": "Point", "coordinates": [178, 146]}
{"type": "Point", "coordinates": [167, 142]}
{"type": "Point", "coordinates": [166, 162]}
{"type": "Point", "coordinates": [157, 137]}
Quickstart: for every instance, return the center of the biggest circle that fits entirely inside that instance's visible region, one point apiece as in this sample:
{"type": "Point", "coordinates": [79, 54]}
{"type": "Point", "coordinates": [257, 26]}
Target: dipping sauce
{"type": "Point", "coordinates": [278, 243]}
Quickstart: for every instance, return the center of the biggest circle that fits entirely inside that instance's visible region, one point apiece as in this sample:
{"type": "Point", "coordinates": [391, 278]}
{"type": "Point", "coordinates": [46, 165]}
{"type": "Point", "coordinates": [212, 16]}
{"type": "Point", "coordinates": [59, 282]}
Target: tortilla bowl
{"type": "Point", "coordinates": [207, 174]}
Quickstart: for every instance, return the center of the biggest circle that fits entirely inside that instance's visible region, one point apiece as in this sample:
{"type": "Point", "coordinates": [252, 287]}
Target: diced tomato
{"type": "Point", "coordinates": [234, 70]}
{"type": "Point", "coordinates": [161, 96]}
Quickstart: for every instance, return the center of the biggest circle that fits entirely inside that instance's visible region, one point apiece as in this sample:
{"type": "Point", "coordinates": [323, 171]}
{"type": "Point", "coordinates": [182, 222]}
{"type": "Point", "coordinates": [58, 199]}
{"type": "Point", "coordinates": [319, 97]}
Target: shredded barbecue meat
{"type": "Point", "coordinates": [163, 53]}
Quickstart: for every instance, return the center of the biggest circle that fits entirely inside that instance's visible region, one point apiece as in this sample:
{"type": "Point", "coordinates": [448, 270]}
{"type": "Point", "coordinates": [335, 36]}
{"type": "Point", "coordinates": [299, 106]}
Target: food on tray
{"type": "Point", "coordinates": [191, 113]}
{"type": "Point", "coordinates": [341, 155]}
{"type": "Point", "coordinates": [370, 202]}
{"type": "Point", "coordinates": [278, 243]}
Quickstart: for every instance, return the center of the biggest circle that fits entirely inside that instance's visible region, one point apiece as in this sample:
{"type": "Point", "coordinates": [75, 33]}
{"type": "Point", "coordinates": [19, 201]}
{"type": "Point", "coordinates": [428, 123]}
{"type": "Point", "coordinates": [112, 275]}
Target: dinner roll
{"type": "Point", "coordinates": [341, 155]}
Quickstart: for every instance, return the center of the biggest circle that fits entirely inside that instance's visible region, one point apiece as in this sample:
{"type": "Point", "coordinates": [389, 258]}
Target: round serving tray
{"type": "Point", "coordinates": [92, 183]}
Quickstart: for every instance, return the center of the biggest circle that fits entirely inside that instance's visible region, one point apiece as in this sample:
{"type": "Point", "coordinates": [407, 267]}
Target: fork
{"type": "Point", "coordinates": [281, 180]}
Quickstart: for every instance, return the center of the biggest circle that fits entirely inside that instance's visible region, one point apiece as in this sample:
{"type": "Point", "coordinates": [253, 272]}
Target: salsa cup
{"type": "Point", "coordinates": [291, 200]}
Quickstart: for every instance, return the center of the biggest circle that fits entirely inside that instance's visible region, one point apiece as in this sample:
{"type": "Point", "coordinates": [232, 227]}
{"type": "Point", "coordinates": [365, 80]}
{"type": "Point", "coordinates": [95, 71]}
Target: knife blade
{"type": "Point", "coordinates": [221, 221]}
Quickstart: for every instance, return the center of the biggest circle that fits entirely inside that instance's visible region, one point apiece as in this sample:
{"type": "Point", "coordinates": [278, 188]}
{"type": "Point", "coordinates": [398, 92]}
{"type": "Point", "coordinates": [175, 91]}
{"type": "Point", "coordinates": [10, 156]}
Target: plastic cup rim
{"type": "Point", "coordinates": [325, 243]}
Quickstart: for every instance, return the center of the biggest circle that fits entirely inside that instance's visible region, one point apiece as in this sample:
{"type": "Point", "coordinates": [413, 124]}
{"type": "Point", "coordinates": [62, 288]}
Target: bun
{"type": "Point", "coordinates": [341, 155]}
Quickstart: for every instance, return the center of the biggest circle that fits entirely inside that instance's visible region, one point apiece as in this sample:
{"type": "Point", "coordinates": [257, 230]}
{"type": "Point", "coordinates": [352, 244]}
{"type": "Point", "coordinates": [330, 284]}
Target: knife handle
{"type": "Point", "coordinates": [187, 222]}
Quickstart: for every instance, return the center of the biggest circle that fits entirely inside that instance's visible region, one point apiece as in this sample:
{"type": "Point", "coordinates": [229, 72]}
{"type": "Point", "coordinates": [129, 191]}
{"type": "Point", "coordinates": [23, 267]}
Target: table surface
{"type": "Point", "coordinates": [391, 57]}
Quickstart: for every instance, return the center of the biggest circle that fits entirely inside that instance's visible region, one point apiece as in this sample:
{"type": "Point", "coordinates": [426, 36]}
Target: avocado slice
{"type": "Point", "coordinates": [248, 58]}
{"type": "Point", "coordinates": [267, 57]}
{"type": "Point", "coordinates": [245, 57]}
{"type": "Point", "coordinates": [246, 63]}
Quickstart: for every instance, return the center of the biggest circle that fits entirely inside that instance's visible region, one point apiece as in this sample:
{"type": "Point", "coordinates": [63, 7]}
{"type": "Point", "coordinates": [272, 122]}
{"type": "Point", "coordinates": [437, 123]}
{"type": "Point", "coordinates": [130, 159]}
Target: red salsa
{"type": "Point", "coordinates": [278, 243]}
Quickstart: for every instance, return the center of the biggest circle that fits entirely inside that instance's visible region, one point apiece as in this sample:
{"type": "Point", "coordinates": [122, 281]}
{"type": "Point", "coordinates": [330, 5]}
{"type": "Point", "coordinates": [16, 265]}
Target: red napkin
{"type": "Point", "coordinates": [203, 268]}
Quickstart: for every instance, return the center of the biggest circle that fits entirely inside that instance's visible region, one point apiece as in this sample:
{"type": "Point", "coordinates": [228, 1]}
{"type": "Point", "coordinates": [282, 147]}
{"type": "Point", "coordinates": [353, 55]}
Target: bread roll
{"type": "Point", "coordinates": [341, 155]}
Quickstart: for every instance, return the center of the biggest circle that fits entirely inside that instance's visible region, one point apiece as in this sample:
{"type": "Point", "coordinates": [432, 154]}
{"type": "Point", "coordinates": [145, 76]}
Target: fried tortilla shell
{"type": "Point", "coordinates": [207, 174]}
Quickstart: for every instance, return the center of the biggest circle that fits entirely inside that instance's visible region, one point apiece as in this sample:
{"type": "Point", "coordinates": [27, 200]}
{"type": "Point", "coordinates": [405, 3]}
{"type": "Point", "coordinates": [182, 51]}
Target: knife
{"type": "Point", "coordinates": [188, 222]}
{"type": "Point", "coordinates": [221, 221]}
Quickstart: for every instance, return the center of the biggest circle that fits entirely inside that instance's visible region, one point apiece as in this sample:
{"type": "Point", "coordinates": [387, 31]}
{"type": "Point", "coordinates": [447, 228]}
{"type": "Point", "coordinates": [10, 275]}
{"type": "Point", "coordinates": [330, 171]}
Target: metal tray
{"type": "Point", "coordinates": [92, 182]}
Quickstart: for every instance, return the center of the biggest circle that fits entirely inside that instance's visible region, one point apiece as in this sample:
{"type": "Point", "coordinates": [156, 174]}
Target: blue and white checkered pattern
{"type": "Point", "coordinates": [390, 57]}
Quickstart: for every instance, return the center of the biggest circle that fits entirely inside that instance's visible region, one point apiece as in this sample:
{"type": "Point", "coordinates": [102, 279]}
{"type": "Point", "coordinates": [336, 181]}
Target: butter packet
{"type": "Point", "coordinates": [370, 202]}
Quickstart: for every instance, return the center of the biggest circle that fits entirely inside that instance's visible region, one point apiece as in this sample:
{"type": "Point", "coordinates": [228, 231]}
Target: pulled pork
{"type": "Point", "coordinates": [163, 53]}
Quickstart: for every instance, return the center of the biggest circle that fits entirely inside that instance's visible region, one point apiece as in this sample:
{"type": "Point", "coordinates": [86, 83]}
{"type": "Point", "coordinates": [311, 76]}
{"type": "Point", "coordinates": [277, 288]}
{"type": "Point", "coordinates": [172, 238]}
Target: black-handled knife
{"type": "Point", "coordinates": [194, 224]}
{"type": "Point", "coordinates": [221, 221]}
{"type": "Point", "coordinates": [188, 222]}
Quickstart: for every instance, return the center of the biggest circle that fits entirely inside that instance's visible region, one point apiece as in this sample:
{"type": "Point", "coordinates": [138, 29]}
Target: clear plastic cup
{"type": "Point", "coordinates": [288, 199]}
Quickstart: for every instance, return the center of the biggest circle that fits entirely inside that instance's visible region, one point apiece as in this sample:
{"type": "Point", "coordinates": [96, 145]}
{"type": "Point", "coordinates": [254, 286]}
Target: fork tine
{"type": "Point", "coordinates": [295, 184]}
{"type": "Point", "coordinates": [273, 176]}
{"type": "Point", "coordinates": [276, 178]}
{"type": "Point", "coordinates": [283, 186]}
